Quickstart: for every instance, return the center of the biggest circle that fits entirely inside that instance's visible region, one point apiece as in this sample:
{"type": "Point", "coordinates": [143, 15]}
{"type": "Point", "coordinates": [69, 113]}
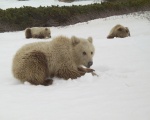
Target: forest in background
{"type": "Point", "coordinates": [15, 19]}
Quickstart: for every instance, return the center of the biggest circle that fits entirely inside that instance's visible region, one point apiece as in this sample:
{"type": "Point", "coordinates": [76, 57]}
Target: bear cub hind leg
{"type": "Point", "coordinates": [36, 65]}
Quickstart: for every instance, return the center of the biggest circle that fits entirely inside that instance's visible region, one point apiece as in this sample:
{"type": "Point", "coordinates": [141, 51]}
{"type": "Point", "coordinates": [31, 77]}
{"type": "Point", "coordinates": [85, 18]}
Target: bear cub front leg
{"type": "Point", "coordinates": [87, 70]}
{"type": "Point", "coordinates": [69, 73]}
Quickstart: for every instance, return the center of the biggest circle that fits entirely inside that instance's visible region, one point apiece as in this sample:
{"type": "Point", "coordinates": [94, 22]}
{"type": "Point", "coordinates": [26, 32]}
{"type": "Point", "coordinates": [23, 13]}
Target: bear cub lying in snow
{"type": "Point", "coordinates": [62, 57]}
{"type": "Point", "coordinates": [119, 31]}
{"type": "Point", "coordinates": [38, 32]}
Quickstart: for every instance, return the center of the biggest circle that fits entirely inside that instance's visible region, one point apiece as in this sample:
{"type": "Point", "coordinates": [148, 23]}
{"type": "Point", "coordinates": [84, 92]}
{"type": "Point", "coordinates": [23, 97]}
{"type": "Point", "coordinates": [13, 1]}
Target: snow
{"type": "Point", "coordinates": [4, 4]}
{"type": "Point", "coordinates": [121, 92]}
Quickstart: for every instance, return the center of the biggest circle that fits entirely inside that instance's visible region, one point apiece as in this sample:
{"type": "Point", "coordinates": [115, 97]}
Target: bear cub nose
{"type": "Point", "coordinates": [90, 64]}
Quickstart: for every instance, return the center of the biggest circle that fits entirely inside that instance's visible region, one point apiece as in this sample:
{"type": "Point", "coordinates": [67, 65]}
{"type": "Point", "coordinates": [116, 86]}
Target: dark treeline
{"type": "Point", "coordinates": [14, 19]}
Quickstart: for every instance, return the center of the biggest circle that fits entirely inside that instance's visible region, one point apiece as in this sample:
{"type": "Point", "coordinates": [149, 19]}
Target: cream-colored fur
{"type": "Point", "coordinates": [38, 32]}
{"type": "Point", "coordinates": [61, 57]}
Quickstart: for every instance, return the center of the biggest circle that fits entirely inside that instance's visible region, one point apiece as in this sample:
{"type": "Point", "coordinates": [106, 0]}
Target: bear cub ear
{"type": "Point", "coordinates": [75, 40]}
{"type": "Point", "coordinates": [90, 39]}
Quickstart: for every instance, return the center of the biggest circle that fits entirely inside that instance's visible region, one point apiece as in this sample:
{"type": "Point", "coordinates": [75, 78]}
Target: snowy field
{"type": "Point", "coordinates": [121, 92]}
{"type": "Point", "coordinates": [4, 4]}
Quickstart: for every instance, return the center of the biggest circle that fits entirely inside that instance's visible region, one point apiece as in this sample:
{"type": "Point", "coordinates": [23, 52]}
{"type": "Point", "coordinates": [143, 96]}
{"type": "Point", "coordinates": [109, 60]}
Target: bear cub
{"type": "Point", "coordinates": [37, 32]}
{"type": "Point", "coordinates": [119, 31]}
{"type": "Point", "coordinates": [62, 57]}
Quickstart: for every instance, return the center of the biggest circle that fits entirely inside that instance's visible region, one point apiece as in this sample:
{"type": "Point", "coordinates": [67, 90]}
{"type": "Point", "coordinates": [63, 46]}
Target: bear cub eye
{"type": "Point", "coordinates": [84, 53]}
{"type": "Point", "coordinates": [91, 53]}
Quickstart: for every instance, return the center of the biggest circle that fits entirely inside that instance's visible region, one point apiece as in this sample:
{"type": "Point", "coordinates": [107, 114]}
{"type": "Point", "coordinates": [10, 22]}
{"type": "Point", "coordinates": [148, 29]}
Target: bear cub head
{"type": "Point", "coordinates": [47, 33]}
{"type": "Point", "coordinates": [83, 51]}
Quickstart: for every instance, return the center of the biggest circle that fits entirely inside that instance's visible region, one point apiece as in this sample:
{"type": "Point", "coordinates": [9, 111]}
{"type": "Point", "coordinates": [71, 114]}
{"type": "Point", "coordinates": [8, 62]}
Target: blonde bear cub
{"type": "Point", "coordinates": [62, 57]}
{"type": "Point", "coordinates": [38, 32]}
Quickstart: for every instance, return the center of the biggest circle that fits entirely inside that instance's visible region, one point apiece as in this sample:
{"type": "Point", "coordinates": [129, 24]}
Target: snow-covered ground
{"type": "Point", "coordinates": [4, 4]}
{"type": "Point", "coordinates": [121, 92]}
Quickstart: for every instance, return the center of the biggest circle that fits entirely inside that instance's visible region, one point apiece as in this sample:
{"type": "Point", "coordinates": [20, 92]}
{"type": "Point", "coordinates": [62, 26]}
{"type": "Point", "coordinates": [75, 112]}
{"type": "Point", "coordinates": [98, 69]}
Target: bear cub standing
{"type": "Point", "coordinates": [119, 31]}
{"type": "Point", "coordinates": [62, 57]}
{"type": "Point", "coordinates": [38, 32]}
